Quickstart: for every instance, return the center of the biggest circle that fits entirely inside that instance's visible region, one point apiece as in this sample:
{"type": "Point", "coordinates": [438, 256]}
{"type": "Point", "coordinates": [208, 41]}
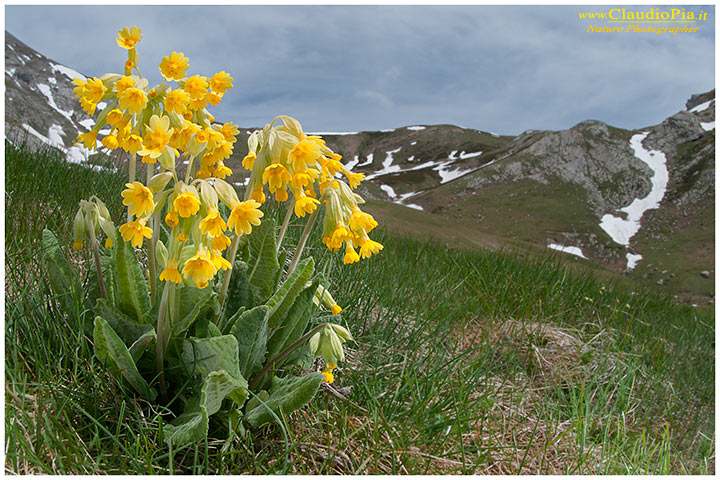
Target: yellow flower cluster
{"type": "Point", "coordinates": [284, 158]}
{"type": "Point", "coordinates": [162, 122]}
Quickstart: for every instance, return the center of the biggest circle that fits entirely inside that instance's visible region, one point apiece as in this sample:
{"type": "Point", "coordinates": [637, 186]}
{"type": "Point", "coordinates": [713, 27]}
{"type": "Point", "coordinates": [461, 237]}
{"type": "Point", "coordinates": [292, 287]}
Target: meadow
{"type": "Point", "coordinates": [464, 361]}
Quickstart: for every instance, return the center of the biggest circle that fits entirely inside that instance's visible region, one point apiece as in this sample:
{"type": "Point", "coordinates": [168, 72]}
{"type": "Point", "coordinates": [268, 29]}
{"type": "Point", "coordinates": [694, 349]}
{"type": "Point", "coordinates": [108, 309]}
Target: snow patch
{"type": "Point", "coordinates": [69, 72]}
{"type": "Point", "coordinates": [333, 133]}
{"type": "Point", "coordinates": [416, 127]}
{"type": "Point", "coordinates": [411, 158]}
{"type": "Point", "coordinates": [52, 80]}
{"type": "Point", "coordinates": [88, 123]}
{"type": "Point", "coordinates": [11, 72]}
{"type": "Point", "coordinates": [571, 250]}
{"type": "Point", "coordinates": [413, 143]}
{"type": "Point", "coordinates": [415, 206]}
{"type": "Point", "coordinates": [622, 230]}
{"type": "Point", "coordinates": [632, 260]}
{"type": "Point", "coordinates": [707, 126]}
{"type": "Point", "coordinates": [389, 190]}
{"type": "Point", "coordinates": [388, 130]}
{"type": "Point", "coordinates": [494, 134]}
{"type": "Point", "coordinates": [464, 155]}
{"type": "Point", "coordinates": [45, 90]}
{"type": "Point", "coordinates": [701, 107]}
{"type": "Point", "coordinates": [368, 161]}
{"type": "Point", "coordinates": [56, 134]}
{"type": "Point", "coordinates": [388, 167]}
{"type": "Point", "coordinates": [352, 163]}
{"type": "Point", "coordinates": [76, 154]}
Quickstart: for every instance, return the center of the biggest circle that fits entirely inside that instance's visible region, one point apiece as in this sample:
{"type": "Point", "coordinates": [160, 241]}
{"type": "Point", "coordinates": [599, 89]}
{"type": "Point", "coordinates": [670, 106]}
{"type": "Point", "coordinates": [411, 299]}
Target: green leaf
{"type": "Point", "coordinates": [286, 294]}
{"type": "Point", "coordinates": [219, 385]}
{"type": "Point", "coordinates": [205, 355]}
{"type": "Point", "coordinates": [126, 328]}
{"type": "Point", "coordinates": [133, 296]}
{"type": "Point", "coordinates": [238, 292]}
{"type": "Point", "coordinates": [194, 303]}
{"type": "Point", "coordinates": [138, 347]}
{"type": "Point", "coordinates": [110, 349]}
{"type": "Point", "coordinates": [188, 427]}
{"type": "Point", "coordinates": [262, 263]}
{"type": "Point", "coordinates": [282, 256]}
{"type": "Point", "coordinates": [287, 395]}
{"type": "Point", "coordinates": [63, 280]}
{"type": "Point", "coordinates": [228, 325]}
{"type": "Point", "coordinates": [294, 323]}
{"type": "Point", "coordinates": [213, 330]}
{"type": "Point", "coordinates": [250, 329]}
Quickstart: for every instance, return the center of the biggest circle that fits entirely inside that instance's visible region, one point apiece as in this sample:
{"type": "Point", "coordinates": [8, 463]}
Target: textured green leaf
{"type": "Point", "coordinates": [188, 427]}
{"type": "Point", "coordinates": [195, 303]}
{"type": "Point", "coordinates": [250, 329]}
{"type": "Point", "coordinates": [294, 323]}
{"type": "Point", "coordinates": [126, 328]}
{"type": "Point", "coordinates": [220, 384]}
{"type": "Point", "coordinates": [262, 263]}
{"type": "Point", "coordinates": [213, 330]}
{"type": "Point", "coordinates": [205, 355]}
{"type": "Point", "coordinates": [228, 325]}
{"type": "Point", "coordinates": [138, 347]}
{"type": "Point", "coordinates": [111, 350]}
{"type": "Point", "coordinates": [238, 293]}
{"type": "Point", "coordinates": [63, 280]}
{"type": "Point", "coordinates": [133, 296]}
{"type": "Point", "coordinates": [287, 395]}
{"type": "Point", "coordinates": [285, 296]}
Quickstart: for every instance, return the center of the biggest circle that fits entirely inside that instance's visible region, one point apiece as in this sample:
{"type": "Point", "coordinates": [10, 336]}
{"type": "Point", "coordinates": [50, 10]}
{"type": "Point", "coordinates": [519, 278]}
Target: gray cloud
{"type": "Point", "coordinates": [503, 69]}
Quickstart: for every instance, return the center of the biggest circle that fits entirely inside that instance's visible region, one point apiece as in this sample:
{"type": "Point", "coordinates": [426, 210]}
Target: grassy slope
{"type": "Point", "coordinates": [465, 362]}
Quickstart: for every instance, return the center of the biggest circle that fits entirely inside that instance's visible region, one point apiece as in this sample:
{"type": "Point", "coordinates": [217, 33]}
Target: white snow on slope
{"type": "Point", "coordinates": [333, 133]}
{"type": "Point", "coordinates": [352, 163]}
{"type": "Point", "coordinates": [413, 143]}
{"type": "Point", "coordinates": [707, 126]}
{"type": "Point", "coordinates": [571, 250]}
{"type": "Point", "coordinates": [45, 90]}
{"type": "Point", "coordinates": [388, 167]}
{"type": "Point", "coordinates": [67, 71]}
{"type": "Point", "coordinates": [622, 230]}
{"type": "Point", "coordinates": [701, 107]}
{"type": "Point", "coordinates": [75, 154]}
{"type": "Point", "coordinates": [88, 123]}
{"type": "Point", "coordinates": [415, 206]}
{"type": "Point", "coordinates": [368, 161]}
{"type": "Point", "coordinates": [632, 260]}
{"type": "Point", "coordinates": [416, 127]}
{"type": "Point", "coordinates": [389, 190]}
{"type": "Point", "coordinates": [465, 156]}
{"type": "Point", "coordinates": [11, 72]}
{"type": "Point", "coordinates": [388, 130]}
{"type": "Point", "coordinates": [56, 134]}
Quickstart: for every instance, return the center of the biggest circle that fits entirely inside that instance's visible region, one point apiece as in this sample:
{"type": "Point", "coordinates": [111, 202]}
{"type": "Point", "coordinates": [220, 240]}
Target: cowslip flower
{"type": "Point", "coordinates": [135, 231]}
{"type": "Point", "coordinates": [196, 86]}
{"type": "Point", "coordinates": [88, 139]}
{"type": "Point", "coordinates": [360, 220]}
{"type": "Point", "coordinates": [327, 372]}
{"type": "Point", "coordinates": [221, 82]}
{"type": "Point", "coordinates": [276, 175]}
{"type": "Point", "coordinates": [370, 247]}
{"type": "Point", "coordinates": [213, 224]}
{"type": "Point", "coordinates": [186, 204]}
{"type": "Point", "coordinates": [157, 136]}
{"type": "Point", "coordinates": [243, 215]}
{"type": "Point", "coordinates": [94, 90]}
{"type": "Point", "coordinates": [128, 38]}
{"type": "Point", "coordinates": [229, 131]}
{"type": "Point", "coordinates": [173, 66]}
{"type": "Point", "coordinates": [110, 142]}
{"type": "Point", "coordinates": [351, 255]}
{"type": "Point", "coordinates": [304, 205]}
{"type": "Point", "coordinates": [200, 267]}
{"type": "Point", "coordinates": [171, 273]}
{"type": "Point", "coordinates": [176, 101]}
{"type": "Point", "coordinates": [171, 218]}
{"type": "Point", "coordinates": [133, 100]}
{"type": "Point", "coordinates": [303, 153]}
{"type": "Point", "coordinates": [123, 83]}
{"type": "Point", "coordinates": [221, 242]}
{"type": "Point", "coordinates": [249, 161]}
{"type": "Point", "coordinates": [139, 198]}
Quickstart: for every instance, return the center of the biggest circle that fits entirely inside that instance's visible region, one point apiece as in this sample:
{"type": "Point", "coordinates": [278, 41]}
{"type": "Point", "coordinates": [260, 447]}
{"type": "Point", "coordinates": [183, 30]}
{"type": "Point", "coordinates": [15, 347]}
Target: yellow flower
{"type": "Point", "coordinates": [219, 262]}
{"type": "Point", "coordinates": [249, 161]}
{"type": "Point", "coordinates": [329, 377]}
{"type": "Point", "coordinates": [370, 247]}
{"type": "Point", "coordinates": [114, 117]}
{"type": "Point", "coordinates": [213, 98]}
{"type": "Point", "coordinates": [221, 171]}
{"type": "Point", "coordinates": [198, 104]}
{"type": "Point", "coordinates": [354, 179]}
{"type": "Point", "coordinates": [258, 195]}
{"type": "Point", "coordinates": [360, 220]}
{"type": "Point", "coordinates": [351, 255]}
{"type": "Point", "coordinates": [335, 309]}
{"type": "Point", "coordinates": [229, 131]}
{"type": "Point", "coordinates": [88, 139]}
{"type": "Point", "coordinates": [110, 142]}
{"type": "Point", "coordinates": [123, 83]}
{"type": "Point", "coordinates": [186, 204]}
{"type": "Point", "coordinates": [281, 195]}
{"type": "Point", "coordinates": [88, 106]}
{"type": "Point", "coordinates": [139, 198]}
{"type": "Point", "coordinates": [128, 38]}
{"type": "Point", "coordinates": [133, 100]}
{"type": "Point", "coordinates": [173, 66]}
{"type": "Point", "coordinates": [221, 82]}
{"type": "Point", "coordinates": [200, 267]}
{"type": "Point", "coordinates": [176, 101]}
{"type": "Point", "coordinates": [108, 242]}
{"type": "Point", "coordinates": [196, 86]}
{"type": "Point", "coordinates": [213, 224]}
{"type": "Point", "coordinates": [170, 273]}
{"type": "Point", "coordinates": [157, 137]}
{"type": "Point", "coordinates": [202, 136]}
{"type": "Point", "coordinates": [133, 143]}
{"type": "Point", "coordinates": [276, 176]}
{"type": "Point", "coordinates": [135, 231]}
{"type": "Point", "coordinates": [204, 172]}
{"type": "Point", "coordinates": [79, 88]}
{"type": "Point", "coordinates": [303, 153]}
{"type": "Point", "coordinates": [243, 214]}
{"type": "Point", "coordinates": [77, 245]}
{"type": "Point", "coordinates": [94, 90]}
{"type": "Point", "coordinates": [300, 180]}
{"type": "Point", "coordinates": [220, 242]}
{"type": "Point", "coordinates": [305, 205]}
{"type": "Point", "coordinates": [182, 237]}
{"type": "Point", "coordinates": [171, 219]}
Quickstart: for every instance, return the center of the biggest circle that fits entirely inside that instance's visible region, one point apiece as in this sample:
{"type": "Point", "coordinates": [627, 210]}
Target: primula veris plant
{"type": "Point", "coordinates": [211, 323]}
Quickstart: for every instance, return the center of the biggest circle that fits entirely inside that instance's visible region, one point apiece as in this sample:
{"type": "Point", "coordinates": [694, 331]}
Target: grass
{"type": "Point", "coordinates": [465, 361]}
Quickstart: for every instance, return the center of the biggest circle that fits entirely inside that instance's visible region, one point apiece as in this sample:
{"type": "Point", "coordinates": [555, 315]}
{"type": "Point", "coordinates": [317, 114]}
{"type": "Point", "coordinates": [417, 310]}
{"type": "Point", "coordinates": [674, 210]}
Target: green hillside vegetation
{"type": "Point", "coordinates": [465, 360]}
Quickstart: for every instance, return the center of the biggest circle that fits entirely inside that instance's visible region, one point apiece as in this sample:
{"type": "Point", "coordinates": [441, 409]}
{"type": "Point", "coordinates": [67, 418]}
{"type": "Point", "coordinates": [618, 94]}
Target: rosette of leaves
{"type": "Point", "coordinates": [245, 368]}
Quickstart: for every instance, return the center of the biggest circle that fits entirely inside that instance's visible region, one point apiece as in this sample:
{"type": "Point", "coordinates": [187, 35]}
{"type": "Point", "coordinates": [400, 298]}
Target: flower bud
{"type": "Point", "coordinates": [225, 192]}
{"type": "Point", "coordinates": [159, 181]}
{"type": "Point", "coordinates": [208, 195]}
{"type": "Point", "coordinates": [161, 253]}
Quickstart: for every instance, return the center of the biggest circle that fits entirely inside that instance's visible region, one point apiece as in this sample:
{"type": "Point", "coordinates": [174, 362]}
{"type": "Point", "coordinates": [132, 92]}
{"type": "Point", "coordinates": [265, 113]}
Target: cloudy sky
{"type": "Point", "coordinates": [350, 68]}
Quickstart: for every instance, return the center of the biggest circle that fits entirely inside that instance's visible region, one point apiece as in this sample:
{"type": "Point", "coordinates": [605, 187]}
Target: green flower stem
{"type": "Point", "coordinates": [281, 356]}
{"type": "Point", "coordinates": [96, 254]}
{"type": "Point", "coordinates": [226, 278]}
{"type": "Point", "coordinates": [152, 264]}
{"type": "Point", "coordinates": [303, 240]}
{"type": "Point", "coordinates": [131, 177]}
{"type": "Point", "coordinates": [281, 235]}
{"type": "Point", "coordinates": [163, 333]}
{"type": "Point", "coordinates": [191, 163]}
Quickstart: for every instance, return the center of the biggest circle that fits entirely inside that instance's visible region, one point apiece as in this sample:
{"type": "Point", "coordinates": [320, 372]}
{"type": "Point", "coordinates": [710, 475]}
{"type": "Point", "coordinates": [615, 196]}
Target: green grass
{"type": "Point", "coordinates": [464, 362]}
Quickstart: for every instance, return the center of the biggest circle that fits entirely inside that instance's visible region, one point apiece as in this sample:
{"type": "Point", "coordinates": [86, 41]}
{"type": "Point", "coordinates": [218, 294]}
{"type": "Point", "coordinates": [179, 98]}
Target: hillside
{"type": "Point", "coordinates": [636, 202]}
